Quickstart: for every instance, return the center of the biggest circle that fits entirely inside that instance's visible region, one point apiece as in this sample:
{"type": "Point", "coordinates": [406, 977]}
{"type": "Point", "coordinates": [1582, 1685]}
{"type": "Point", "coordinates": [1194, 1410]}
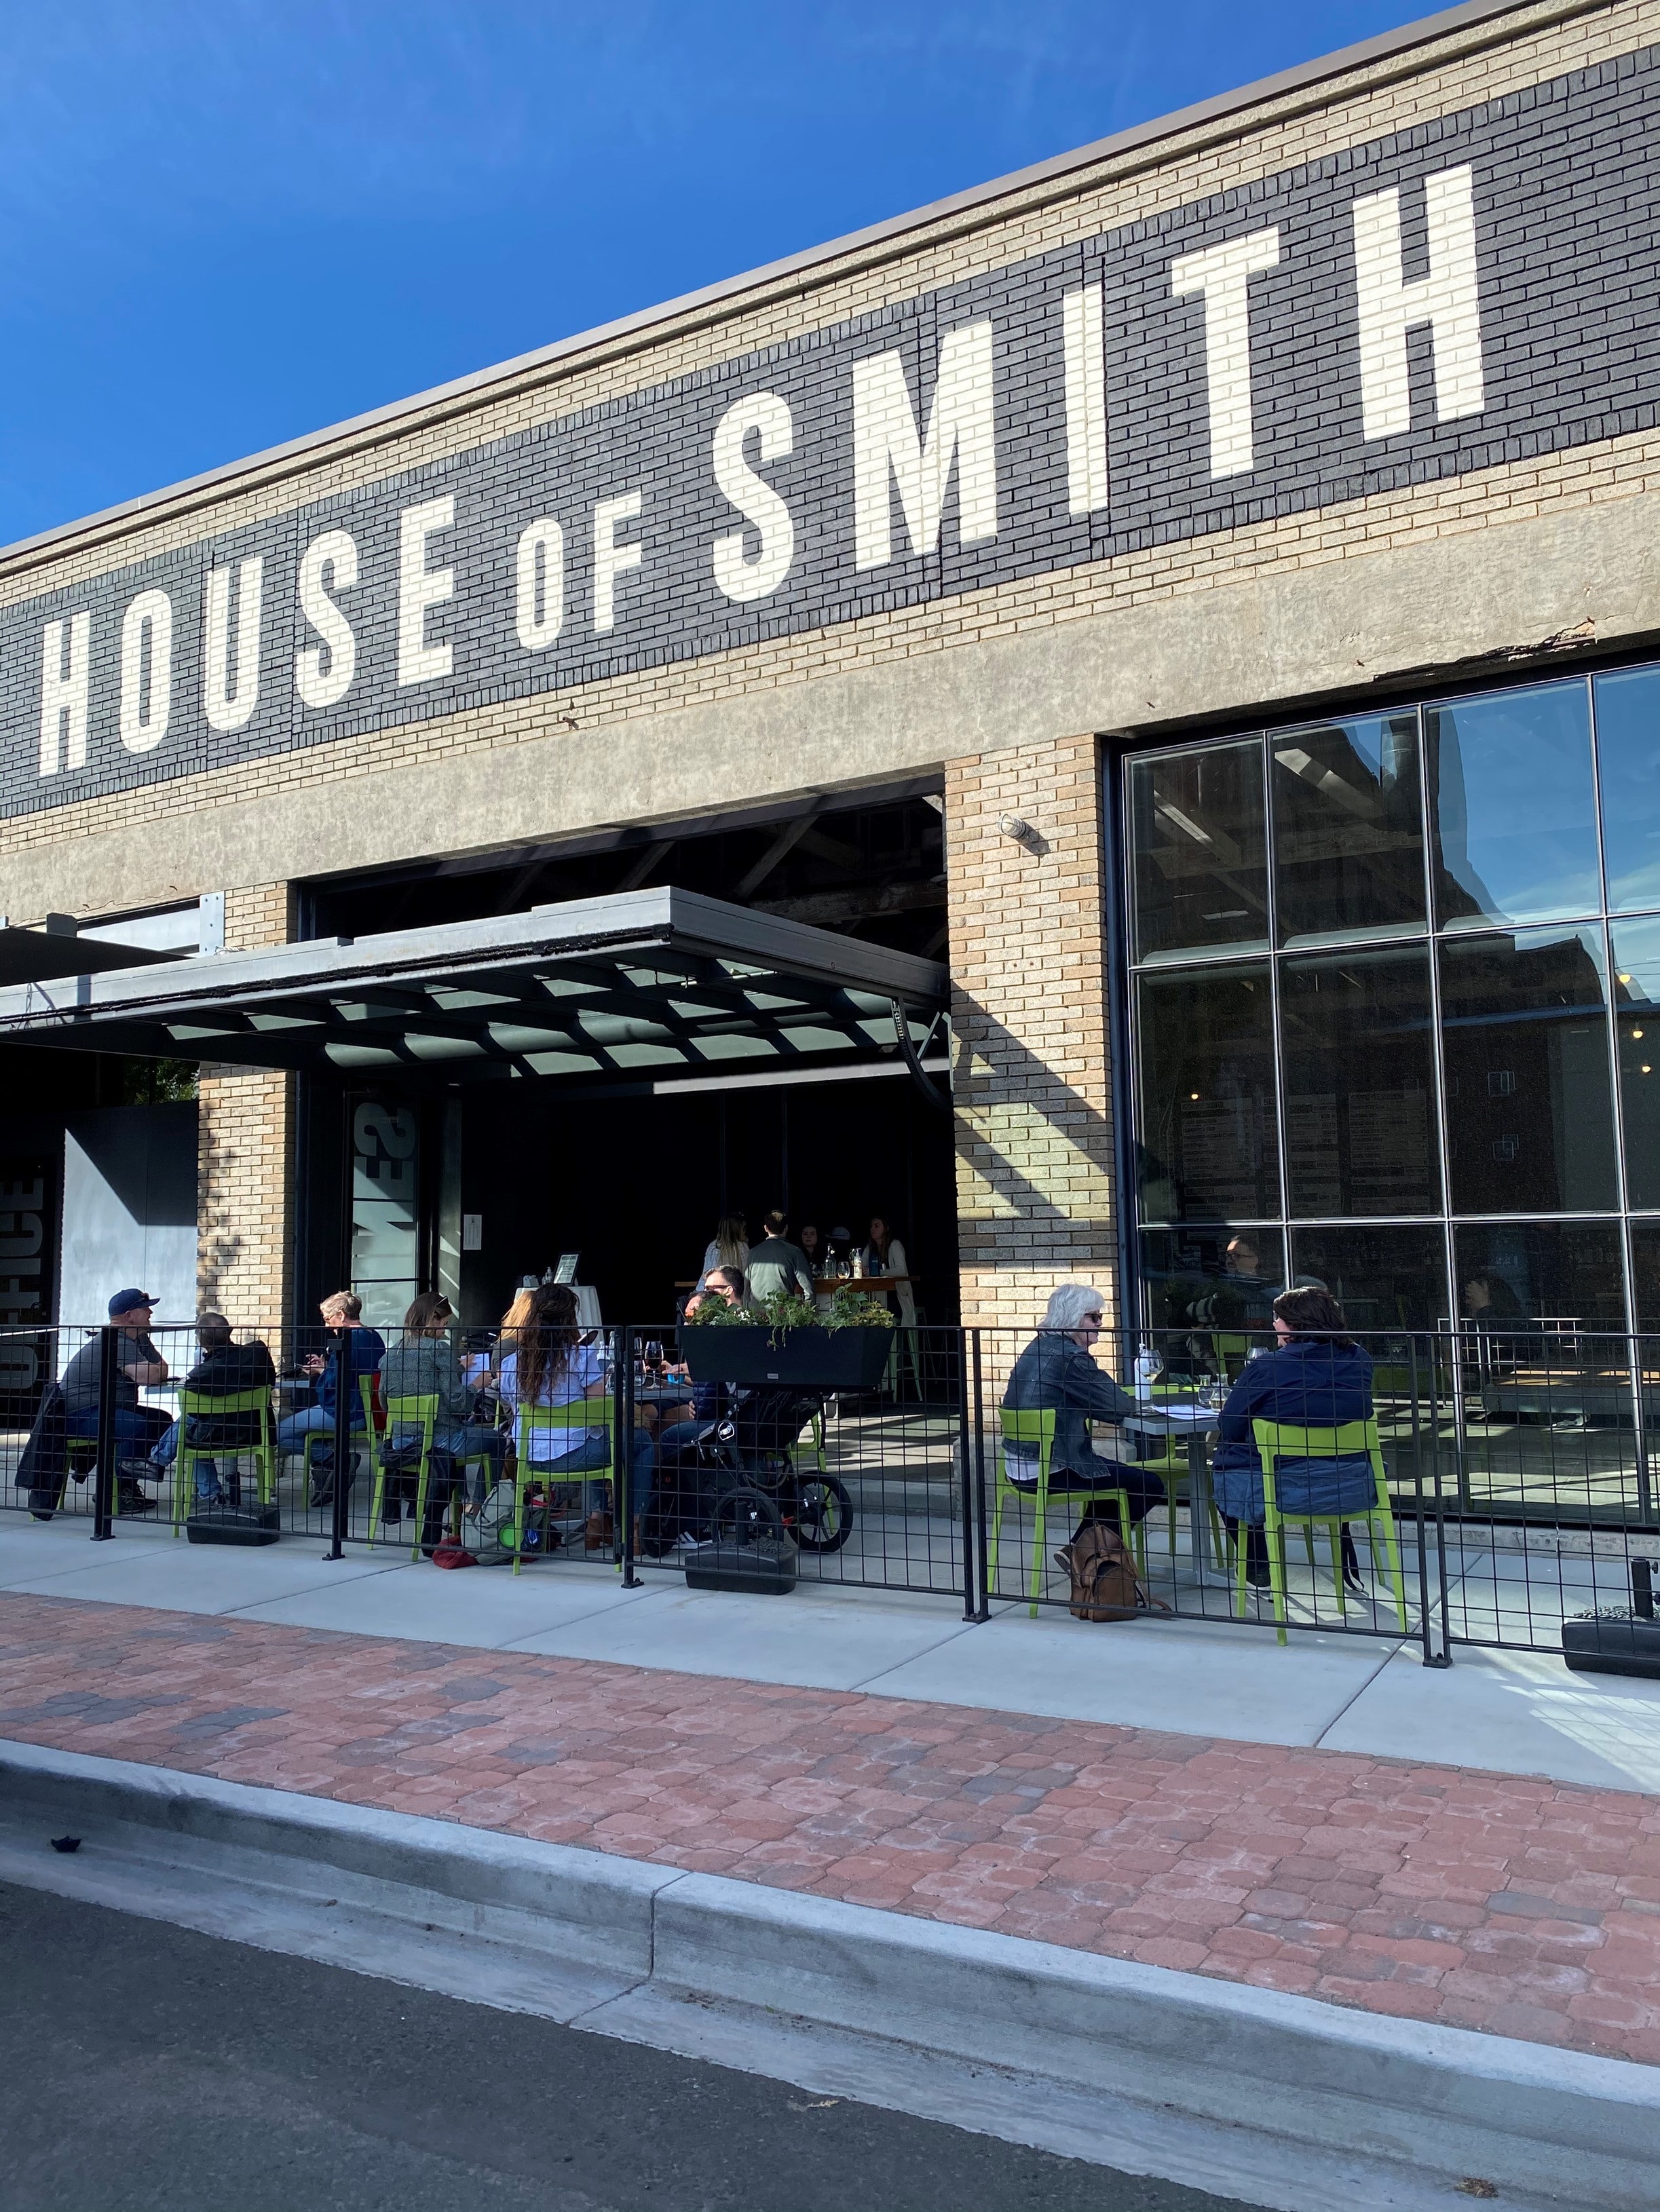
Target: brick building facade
{"type": "Point", "coordinates": [1329, 395]}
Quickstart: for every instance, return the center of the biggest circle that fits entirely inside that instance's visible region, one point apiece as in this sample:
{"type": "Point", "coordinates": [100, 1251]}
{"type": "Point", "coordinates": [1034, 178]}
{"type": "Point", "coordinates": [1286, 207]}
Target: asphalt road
{"type": "Point", "coordinates": [145, 2066]}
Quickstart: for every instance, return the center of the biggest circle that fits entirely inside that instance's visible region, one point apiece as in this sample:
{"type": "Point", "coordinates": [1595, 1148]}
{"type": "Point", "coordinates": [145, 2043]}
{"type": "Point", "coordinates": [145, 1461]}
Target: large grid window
{"type": "Point", "coordinates": [1396, 1013]}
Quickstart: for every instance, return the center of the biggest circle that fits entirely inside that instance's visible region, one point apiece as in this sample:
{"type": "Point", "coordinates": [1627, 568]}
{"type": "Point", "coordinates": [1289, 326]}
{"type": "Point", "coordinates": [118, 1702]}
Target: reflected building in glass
{"type": "Point", "coordinates": [1394, 1012]}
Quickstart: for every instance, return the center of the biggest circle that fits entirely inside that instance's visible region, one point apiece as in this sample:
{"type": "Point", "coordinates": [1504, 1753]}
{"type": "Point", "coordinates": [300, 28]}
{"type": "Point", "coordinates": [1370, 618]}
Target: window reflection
{"type": "Point", "coordinates": [1199, 850]}
{"type": "Point", "coordinates": [1348, 828]}
{"type": "Point", "coordinates": [1628, 762]}
{"type": "Point", "coordinates": [1512, 825]}
{"type": "Point", "coordinates": [1360, 1132]}
{"type": "Point", "coordinates": [1214, 1290]}
{"type": "Point", "coordinates": [1637, 1025]}
{"type": "Point", "coordinates": [1645, 1285]}
{"type": "Point", "coordinates": [1530, 1110]}
{"type": "Point", "coordinates": [1383, 1278]}
{"type": "Point", "coordinates": [1562, 1275]}
{"type": "Point", "coordinates": [1209, 1139]}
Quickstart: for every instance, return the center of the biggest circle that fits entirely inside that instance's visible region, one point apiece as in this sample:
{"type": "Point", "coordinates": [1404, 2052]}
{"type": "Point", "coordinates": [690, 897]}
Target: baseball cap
{"type": "Point", "coordinates": [125, 1301]}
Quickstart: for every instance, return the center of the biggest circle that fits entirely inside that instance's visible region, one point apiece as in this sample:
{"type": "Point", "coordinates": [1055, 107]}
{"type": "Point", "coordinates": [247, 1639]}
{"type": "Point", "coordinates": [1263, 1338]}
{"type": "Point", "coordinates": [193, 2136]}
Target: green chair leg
{"type": "Point", "coordinates": [1274, 1536]}
{"type": "Point", "coordinates": [1037, 1546]}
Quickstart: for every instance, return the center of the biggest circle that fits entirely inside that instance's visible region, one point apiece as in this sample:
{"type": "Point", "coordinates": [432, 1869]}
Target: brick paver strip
{"type": "Point", "coordinates": [1524, 1907]}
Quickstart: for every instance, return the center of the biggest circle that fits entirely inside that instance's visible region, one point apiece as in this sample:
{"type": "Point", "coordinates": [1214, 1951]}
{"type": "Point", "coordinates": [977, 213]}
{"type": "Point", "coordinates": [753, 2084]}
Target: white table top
{"type": "Point", "coordinates": [1171, 1417]}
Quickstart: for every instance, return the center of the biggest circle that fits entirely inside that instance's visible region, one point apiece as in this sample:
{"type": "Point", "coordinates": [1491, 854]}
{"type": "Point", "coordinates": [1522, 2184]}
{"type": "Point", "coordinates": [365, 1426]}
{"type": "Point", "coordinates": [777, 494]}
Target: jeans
{"type": "Point", "coordinates": [595, 1451]}
{"type": "Point", "coordinates": [470, 1438]}
{"type": "Point", "coordinates": [310, 1421]}
{"type": "Point", "coordinates": [136, 1428]}
{"type": "Point", "coordinates": [205, 1473]}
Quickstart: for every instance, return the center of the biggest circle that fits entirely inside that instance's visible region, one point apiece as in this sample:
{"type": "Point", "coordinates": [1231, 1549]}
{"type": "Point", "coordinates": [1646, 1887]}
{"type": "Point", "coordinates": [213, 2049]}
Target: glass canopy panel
{"type": "Point", "coordinates": [1512, 819]}
{"type": "Point", "coordinates": [1348, 831]}
{"type": "Point", "coordinates": [1199, 850]}
{"type": "Point", "coordinates": [1628, 764]}
{"type": "Point", "coordinates": [1209, 1139]}
{"type": "Point", "coordinates": [1360, 1119]}
{"type": "Point", "coordinates": [1529, 1106]}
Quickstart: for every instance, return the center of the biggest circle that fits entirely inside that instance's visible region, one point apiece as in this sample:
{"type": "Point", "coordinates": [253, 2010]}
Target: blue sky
{"type": "Point", "coordinates": [225, 223]}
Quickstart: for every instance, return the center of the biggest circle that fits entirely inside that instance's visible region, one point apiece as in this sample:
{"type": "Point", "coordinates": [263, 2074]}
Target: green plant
{"type": "Point", "coordinates": [851, 1308]}
{"type": "Point", "coordinates": [788, 1310]}
{"type": "Point", "coordinates": [715, 1313]}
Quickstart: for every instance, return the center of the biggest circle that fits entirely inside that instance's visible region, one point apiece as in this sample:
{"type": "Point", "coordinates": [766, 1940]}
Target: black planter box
{"type": "Point", "coordinates": [1612, 1647]}
{"type": "Point", "coordinates": [234, 1524]}
{"type": "Point", "coordinates": [816, 1358]}
{"type": "Point", "coordinates": [764, 1570]}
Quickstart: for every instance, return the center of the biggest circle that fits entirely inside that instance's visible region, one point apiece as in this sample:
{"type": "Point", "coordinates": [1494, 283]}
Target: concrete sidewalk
{"type": "Point", "coordinates": [1524, 1907]}
{"type": "Point", "coordinates": [1514, 1712]}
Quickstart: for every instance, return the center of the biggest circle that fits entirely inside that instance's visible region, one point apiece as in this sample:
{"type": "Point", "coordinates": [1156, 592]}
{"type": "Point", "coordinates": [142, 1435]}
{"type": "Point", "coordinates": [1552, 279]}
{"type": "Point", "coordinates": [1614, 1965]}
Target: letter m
{"type": "Point", "coordinates": [886, 449]}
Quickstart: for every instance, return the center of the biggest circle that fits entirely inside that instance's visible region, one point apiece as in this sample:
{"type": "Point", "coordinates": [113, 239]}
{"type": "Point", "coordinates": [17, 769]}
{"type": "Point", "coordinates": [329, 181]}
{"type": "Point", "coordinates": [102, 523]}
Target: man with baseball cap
{"type": "Point", "coordinates": [138, 1366]}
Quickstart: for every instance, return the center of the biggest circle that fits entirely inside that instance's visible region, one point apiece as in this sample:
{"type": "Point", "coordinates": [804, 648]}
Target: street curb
{"type": "Point", "coordinates": [1278, 2085]}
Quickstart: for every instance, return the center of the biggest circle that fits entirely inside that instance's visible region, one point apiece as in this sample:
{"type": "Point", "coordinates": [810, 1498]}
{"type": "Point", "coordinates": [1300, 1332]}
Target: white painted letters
{"type": "Point", "coordinates": [962, 428]}
{"type": "Point", "coordinates": [1223, 274]}
{"type": "Point", "coordinates": [329, 559]}
{"type": "Point", "coordinates": [740, 578]}
{"type": "Point", "coordinates": [63, 695]}
{"type": "Point", "coordinates": [611, 559]}
{"type": "Point", "coordinates": [541, 585]}
{"type": "Point", "coordinates": [1086, 400]}
{"type": "Point", "coordinates": [146, 708]}
{"type": "Point", "coordinates": [229, 706]}
{"type": "Point", "coordinates": [1448, 299]}
{"type": "Point", "coordinates": [420, 587]}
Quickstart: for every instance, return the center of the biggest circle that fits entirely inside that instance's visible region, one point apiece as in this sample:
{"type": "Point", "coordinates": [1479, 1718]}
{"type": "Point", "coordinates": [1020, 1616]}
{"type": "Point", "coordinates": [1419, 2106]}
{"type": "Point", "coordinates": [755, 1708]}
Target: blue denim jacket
{"type": "Point", "coordinates": [1054, 1371]}
{"type": "Point", "coordinates": [1307, 1384]}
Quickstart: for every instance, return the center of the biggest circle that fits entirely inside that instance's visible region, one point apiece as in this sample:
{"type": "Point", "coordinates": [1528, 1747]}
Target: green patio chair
{"type": "Point", "coordinates": [1277, 1441]}
{"type": "Point", "coordinates": [1035, 1424]}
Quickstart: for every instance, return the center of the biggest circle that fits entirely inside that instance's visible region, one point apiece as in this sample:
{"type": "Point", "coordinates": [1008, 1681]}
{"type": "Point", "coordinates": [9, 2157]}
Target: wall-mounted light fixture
{"type": "Point", "coordinates": [1013, 826]}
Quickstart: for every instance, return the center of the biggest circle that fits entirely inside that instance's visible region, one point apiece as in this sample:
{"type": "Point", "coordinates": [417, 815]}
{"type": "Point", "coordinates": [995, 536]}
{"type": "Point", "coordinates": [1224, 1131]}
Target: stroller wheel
{"type": "Point", "coordinates": [824, 1519]}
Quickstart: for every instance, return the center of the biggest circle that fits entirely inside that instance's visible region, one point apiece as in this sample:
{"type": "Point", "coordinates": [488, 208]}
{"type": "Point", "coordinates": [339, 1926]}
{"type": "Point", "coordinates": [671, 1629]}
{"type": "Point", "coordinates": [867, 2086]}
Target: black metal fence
{"type": "Point", "coordinates": [1517, 1483]}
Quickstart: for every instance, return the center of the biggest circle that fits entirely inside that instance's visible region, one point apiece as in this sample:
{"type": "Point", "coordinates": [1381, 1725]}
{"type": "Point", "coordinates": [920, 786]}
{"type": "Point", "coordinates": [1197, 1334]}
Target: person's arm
{"type": "Point", "coordinates": [1242, 1403]}
{"type": "Point", "coordinates": [144, 1363]}
{"type": "Point", "coordinates": [1092, 1392]}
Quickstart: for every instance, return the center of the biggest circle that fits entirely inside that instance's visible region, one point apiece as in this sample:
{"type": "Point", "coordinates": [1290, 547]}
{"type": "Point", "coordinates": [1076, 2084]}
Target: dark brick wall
{"type": "Point", "coordinates": [1565, 204]}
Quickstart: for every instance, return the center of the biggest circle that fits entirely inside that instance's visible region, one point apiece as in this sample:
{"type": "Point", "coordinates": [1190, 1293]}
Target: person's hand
{"type": "Point", "coordinates": [313, 1363]}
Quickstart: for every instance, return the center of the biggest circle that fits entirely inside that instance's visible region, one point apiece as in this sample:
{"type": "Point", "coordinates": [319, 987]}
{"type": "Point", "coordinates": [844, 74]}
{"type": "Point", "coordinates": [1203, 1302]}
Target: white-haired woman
{"type": "Point", "coordinates": [1056, 1372]}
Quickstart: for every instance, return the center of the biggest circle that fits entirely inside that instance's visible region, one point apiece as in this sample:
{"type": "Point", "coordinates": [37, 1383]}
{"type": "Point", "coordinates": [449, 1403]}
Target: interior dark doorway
{"type": "Point", "coordinates": [635, 1185]}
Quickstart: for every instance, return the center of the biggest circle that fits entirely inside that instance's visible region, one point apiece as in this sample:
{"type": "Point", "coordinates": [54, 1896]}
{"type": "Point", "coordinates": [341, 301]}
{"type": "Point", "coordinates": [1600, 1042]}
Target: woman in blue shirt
{"type": "Point", "coordinates": [1316, 1377]}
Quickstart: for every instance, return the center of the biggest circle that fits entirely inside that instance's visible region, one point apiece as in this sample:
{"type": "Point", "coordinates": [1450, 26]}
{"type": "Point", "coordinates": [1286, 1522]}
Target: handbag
{"type": "Point", "coordinates": [1104, 1583]}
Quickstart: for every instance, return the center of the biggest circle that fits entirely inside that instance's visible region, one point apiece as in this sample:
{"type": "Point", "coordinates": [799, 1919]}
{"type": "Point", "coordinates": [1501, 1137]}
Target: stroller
{"type": "Point", "coordinates": [743, 1468]}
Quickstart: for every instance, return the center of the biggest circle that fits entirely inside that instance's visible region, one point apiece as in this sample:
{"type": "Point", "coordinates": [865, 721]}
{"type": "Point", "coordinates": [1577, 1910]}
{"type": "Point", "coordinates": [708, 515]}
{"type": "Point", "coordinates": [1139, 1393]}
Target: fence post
{"type": "Point", "coordinates": [983, 1608]}
{"type": "Point", "coordinates": [965, 1482]}
{"type": "Point", "coordinates": [104, 1479]}
{"type": "Point", "coordinates": [344, 1383]}
{"type": "Point", "coordinates": [623, 1458]}
{"type": "Point", "coordinates": [1444, 1657]}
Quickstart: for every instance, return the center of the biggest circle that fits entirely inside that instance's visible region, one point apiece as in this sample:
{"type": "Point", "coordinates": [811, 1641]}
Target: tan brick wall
{"type": "Point", "coordinates": [245, 1154]}
{"type": "Point", "coordinates": [1032, 1079]}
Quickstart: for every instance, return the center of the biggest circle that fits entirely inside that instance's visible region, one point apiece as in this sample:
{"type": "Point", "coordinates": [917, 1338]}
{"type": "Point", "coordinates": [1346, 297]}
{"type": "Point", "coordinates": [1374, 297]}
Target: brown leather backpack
{"type": "Point", "coordinates": [1104, 1583]}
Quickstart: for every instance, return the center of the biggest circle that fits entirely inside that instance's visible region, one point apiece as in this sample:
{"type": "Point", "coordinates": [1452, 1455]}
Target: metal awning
{"type": "Point", "coordinates": [629, 988]}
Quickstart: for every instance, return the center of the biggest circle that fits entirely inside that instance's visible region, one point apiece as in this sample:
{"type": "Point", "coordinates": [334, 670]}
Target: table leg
{"type": "Point", "coordinates": [1199, 1502]}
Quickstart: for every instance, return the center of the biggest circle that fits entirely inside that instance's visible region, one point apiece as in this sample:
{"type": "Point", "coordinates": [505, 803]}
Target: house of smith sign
{"type": "Point", "coordinates": [1481, 288]}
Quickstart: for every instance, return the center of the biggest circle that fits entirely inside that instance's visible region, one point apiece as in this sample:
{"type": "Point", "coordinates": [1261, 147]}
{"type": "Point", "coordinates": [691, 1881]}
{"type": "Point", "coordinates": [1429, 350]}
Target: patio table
{"type": "Point", "coordinates": [1186, 1417]}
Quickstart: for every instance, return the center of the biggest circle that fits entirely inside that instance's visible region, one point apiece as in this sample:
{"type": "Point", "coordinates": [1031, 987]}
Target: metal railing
{"type": "Point", "coordinates": [1515, 1463]}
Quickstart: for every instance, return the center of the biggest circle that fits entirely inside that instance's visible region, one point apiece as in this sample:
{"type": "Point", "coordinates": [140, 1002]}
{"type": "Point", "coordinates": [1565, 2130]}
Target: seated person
{"type": "Point", "coordinates": [1055, 1370]}
{"type": "Point", "coordinates": [1316, 1377]}
{"type": "Point", "coordinates": [366, 1350]}
{"type": "Point", "coordinates": [702, 1404]}
{"type": "Point", "coordinates": [425, 1364]}
{"type": "Point", "coordinates": [551, 1365]}
{"type": "Point", "coordinates": [139, 1366]}
{"type": "Point", "coordinates": [223, 1370]}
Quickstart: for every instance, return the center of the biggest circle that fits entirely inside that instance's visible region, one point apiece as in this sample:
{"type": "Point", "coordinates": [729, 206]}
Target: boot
{"type": "Point", "coordinates": [600, 1532]}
